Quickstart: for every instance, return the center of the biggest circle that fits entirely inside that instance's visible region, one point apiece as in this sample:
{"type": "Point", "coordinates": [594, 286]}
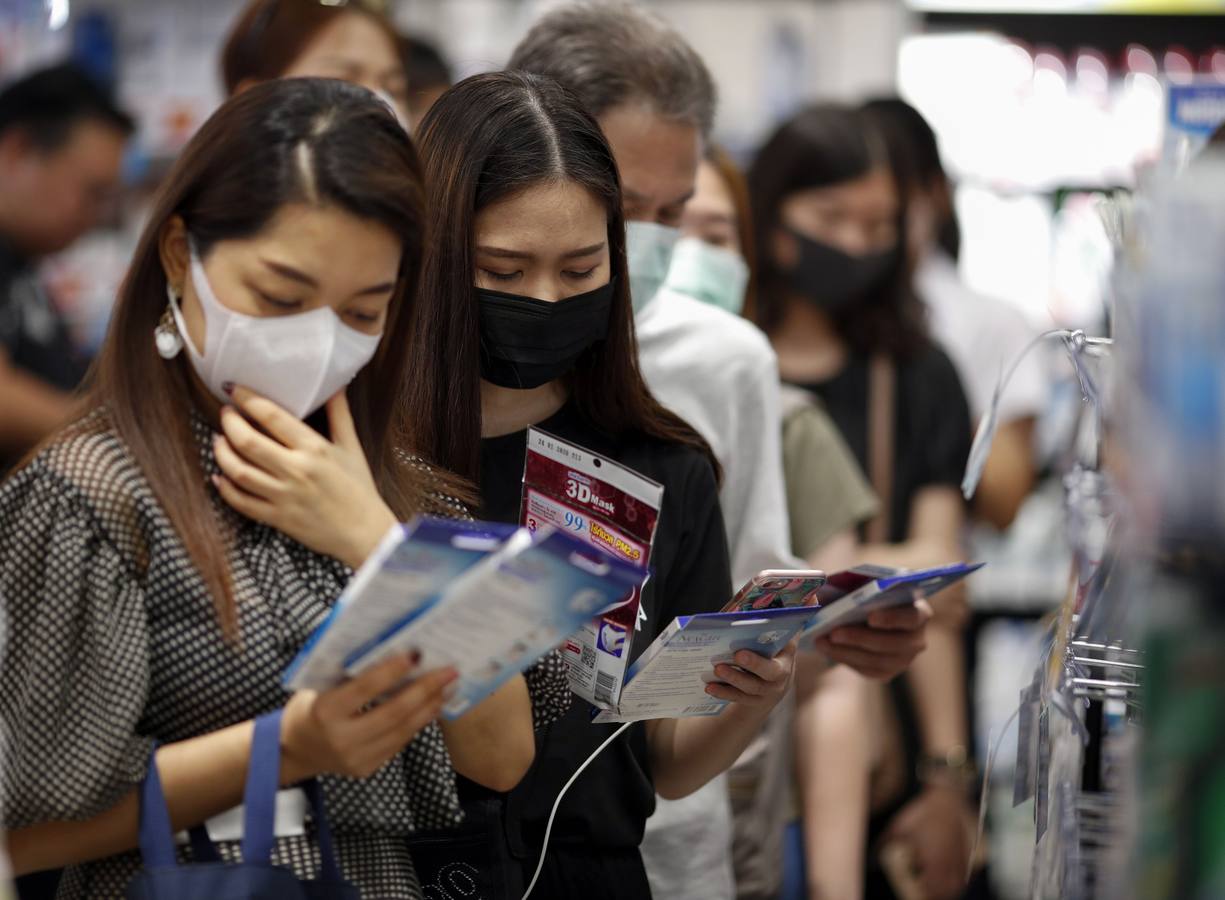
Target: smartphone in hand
{"type": "Point", "coordinates": [778, 588]}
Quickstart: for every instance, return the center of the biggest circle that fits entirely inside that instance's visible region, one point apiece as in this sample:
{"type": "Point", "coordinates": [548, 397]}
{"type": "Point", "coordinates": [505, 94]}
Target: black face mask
{"type": "Point", "coordinates": [527, 342]}
{"type": "Point", "coordinates": [834, 279]}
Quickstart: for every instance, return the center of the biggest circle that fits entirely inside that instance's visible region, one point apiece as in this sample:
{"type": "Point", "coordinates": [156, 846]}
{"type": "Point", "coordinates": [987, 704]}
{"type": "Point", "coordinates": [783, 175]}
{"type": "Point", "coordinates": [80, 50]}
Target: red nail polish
{"type": "Point", "coordinates": [228, 387]}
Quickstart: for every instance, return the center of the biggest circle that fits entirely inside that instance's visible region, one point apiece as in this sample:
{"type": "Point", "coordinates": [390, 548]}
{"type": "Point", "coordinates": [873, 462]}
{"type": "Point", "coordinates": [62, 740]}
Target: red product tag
{"type": "Point", "coordinates": [614, 509]}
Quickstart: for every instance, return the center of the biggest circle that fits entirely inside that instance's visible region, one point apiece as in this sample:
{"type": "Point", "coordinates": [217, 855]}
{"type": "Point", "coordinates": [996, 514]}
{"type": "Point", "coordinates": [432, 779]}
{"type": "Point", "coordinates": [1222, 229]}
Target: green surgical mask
{"type": "Point", "coordinates": [708, 273]}
{"type": "Point", "coordinates": [648, 248]}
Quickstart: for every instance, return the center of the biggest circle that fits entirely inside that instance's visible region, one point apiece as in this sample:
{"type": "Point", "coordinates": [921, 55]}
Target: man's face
{"type": "Point", "coordinates": [61, 193]}
{"type": "Point", "coordinates": [658, 160]}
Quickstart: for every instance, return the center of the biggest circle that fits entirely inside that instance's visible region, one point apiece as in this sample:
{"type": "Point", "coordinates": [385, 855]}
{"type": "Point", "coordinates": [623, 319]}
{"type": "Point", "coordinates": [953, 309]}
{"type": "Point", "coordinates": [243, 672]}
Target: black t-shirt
{"type": "Point", "coordinates": [608, 806]}
{"type": "Point", "coordinates": [32, 331]}
{"type": "Point", "coordinates": [932, 428]}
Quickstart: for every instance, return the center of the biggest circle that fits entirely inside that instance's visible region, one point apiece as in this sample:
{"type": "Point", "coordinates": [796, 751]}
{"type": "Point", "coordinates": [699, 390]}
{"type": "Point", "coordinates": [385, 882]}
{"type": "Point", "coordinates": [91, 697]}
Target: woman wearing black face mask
{"type": "Point", "coordinates": [525, 319]}
{"type": "Point", "coordinates": [837, 303]}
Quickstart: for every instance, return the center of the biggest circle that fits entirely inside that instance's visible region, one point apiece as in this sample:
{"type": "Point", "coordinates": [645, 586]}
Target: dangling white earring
{"type": "Point", "coordinates": [166, 336]}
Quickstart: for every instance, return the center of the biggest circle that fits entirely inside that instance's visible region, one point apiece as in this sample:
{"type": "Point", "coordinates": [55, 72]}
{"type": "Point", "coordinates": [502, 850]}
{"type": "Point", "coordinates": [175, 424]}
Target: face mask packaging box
{"type": "Point", "coordinates": [610, 507]}
{"type": "Point", "coordinates": [849, 597]}
{"type": "Point", "coordinates": [413, 565]}
{"type": "Point", "coordinates": [487, 600]}
{"type": "Point", "coordinates": [669, 680]}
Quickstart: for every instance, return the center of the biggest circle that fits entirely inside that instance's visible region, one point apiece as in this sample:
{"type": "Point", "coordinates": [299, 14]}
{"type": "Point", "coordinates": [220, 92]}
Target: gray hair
{"type": "Point", "coordinates": [610, 54]}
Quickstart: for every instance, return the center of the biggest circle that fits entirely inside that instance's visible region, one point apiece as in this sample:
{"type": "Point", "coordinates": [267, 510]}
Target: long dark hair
{"type": "Point", "coordinates": [484, 140]}
{"type": "Point", "coordinates": [244, 165]}
{"type": "Point", "coordinates": [821, 146]}
{"type": "Point", "coordinates": [914, 153]}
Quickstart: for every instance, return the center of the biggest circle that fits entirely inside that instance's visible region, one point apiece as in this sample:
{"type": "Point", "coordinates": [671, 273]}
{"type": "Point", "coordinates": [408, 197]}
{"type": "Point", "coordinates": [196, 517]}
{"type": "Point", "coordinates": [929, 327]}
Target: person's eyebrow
{"type": "Point", "coordinates": [682, 200]}
{"type": "Point", "coordinates": [376, 290]}
{"type": "Point", "coordinates": [503, 253]}
{"type": "Point", "coordinates": [628, 196]}
{"type": "Point", "coordinates": [290, 272]}
{"type": "Point", "coordinates": [716, 217]}
{"type": "Point", "coordinates": [383, 287]}
{"type": "Point", "coordinates": [583, 251]}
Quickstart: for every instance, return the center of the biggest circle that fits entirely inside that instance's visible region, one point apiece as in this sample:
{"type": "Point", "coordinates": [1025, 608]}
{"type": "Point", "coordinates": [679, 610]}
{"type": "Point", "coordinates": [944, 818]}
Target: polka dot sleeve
{"type": "Point", "coordinates": [74, 674]}
{"type": "Point", "coordinates": [548, 685]}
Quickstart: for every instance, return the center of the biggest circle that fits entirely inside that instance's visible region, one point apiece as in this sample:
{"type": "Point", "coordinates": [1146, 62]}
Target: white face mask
{"type": "Point", "coordinates": [297, 361]}
{"type": "Point", "coordinates": [708, 273]}
{"type": "Point", "coordinates": [648, 247]}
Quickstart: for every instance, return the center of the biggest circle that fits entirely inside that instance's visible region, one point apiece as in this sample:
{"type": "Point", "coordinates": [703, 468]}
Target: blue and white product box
{"type": "Point", "coordinates": [486, 599]}
{"type": "Point", "coordinates": [849, 597]}
{"type": "Point", "coordinates": [409, 569]}
{"type": "Point", "coordinates": [506, 612]}
{"type": "Point", "coordinates": [669, 680]}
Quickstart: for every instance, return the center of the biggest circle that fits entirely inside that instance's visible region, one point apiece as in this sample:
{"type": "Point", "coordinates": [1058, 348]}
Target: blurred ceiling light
{"type": "Point", "coordinates": [57, 14]}
{"type": "Point", "coordinates": [1178, 65]}
{"type": "Point", "coordinates": [1018, 64]}
{"type": "Point", "coordinates": [1139, 60]}
{"type": "Point", "coordinates": [1092, 72]}
{"type": "Point", "coordinates": [1050, 73]}
{"type": "Point", "coordinates": [1214, 63]}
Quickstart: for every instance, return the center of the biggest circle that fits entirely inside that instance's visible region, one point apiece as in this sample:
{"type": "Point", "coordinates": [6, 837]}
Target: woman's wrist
{"type": "Point", "coordinates": [365, 540]}
{"type": "Point", "coordinates": [294, 765]}
{"type": "Point", "coordinates": [952, 770]}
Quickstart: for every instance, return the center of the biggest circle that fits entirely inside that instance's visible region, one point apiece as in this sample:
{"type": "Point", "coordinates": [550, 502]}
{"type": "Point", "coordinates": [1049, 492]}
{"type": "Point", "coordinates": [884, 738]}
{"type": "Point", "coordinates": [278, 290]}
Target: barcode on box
{"type": "Point", "coordinates": [588, 660]}
{"type": "Point", "coordinates": [605, 685]}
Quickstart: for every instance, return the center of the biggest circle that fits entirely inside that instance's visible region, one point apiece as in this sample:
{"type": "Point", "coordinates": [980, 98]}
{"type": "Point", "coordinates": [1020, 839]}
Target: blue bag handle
{"type": "Point", "coordinates": [263, 781]}
{"type": "Point", "coordinates": [259, 798]}
{"type": "Point", "coordinates": [156, 834]}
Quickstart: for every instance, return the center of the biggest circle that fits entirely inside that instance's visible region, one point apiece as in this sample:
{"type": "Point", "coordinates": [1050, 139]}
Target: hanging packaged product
{"type": "Point", "coordinates": [613, 508]}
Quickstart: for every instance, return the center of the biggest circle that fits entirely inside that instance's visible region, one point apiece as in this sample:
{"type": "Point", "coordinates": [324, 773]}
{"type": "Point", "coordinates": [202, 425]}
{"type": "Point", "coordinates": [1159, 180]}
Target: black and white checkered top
{"type": "Point", "coordinates": [113, 642]}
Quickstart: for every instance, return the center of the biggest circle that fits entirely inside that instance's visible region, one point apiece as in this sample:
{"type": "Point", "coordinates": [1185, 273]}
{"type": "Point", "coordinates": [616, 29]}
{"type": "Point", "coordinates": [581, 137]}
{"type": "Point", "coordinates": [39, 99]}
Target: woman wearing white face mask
{"type": "Point", "coordinates": [147, 598]}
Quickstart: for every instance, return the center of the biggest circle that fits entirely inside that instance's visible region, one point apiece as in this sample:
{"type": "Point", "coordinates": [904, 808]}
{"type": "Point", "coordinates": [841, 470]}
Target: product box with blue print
{"type": "Point", "coordinates": [486, 599]}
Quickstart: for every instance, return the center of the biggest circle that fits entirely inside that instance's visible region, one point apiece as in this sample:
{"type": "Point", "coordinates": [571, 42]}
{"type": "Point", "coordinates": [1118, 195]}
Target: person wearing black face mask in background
{"type": "Point", "coordinates": [837, 302]}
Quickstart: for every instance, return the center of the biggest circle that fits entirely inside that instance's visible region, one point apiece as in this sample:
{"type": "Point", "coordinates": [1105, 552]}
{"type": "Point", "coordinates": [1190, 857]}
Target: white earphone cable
{"type": "Point", "coordinates": [548, 831]}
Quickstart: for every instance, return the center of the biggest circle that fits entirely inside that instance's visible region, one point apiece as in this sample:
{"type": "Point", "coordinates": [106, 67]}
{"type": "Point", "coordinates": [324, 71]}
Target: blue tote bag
{"type": "Point", "coordinates": [255, 878]}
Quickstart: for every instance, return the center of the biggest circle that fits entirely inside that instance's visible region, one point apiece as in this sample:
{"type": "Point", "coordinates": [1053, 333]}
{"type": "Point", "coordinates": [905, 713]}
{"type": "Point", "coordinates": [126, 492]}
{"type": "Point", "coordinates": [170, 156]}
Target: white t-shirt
{"type": "Point", "coordinates": [719, 373]}
{"type": "Point", "coordinates": [983, 336]}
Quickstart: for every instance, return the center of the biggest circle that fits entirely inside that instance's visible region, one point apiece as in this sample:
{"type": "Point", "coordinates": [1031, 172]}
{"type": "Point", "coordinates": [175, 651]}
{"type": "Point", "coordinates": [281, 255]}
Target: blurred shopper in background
{"type": "Point", "coordinates": [62, 141]}
{"type": "Point", "coordinates": [983, 335]}
{"type": "Point", "coordinates": [714, 259]}
{"type": "Point", "coordinates": [837, 302]}
{"type": "Point", "coordinates": [351, 41]}
{"type": "Point", "coordinates": [429, 76]}
{"type": "Point", "coordinates": [827, 499]}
